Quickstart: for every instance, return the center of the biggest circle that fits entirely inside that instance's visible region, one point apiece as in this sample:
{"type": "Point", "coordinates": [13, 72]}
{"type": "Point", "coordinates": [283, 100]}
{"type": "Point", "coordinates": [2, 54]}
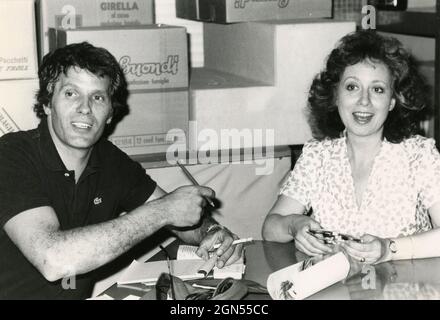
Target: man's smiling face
{"type": "Point", "coordinates": [79, 109]}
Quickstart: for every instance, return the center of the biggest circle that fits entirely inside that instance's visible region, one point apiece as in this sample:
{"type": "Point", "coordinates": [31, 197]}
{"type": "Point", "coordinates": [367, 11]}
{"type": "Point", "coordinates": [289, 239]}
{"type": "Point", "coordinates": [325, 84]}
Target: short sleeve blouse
{"type": "Point", "coordinates": [403, 184]}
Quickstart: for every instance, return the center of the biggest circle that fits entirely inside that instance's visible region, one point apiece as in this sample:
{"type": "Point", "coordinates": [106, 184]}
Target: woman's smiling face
{"type": "Point", "coordinates": [365, 97]}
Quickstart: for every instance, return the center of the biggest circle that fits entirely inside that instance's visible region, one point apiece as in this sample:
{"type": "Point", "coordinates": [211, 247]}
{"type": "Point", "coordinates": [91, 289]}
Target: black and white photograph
{"type": "Point", "coordinates": [231, 151]}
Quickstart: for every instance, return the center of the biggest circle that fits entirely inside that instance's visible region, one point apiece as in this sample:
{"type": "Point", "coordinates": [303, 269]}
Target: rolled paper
{"type": "Point", "coordinates": [296, 283]}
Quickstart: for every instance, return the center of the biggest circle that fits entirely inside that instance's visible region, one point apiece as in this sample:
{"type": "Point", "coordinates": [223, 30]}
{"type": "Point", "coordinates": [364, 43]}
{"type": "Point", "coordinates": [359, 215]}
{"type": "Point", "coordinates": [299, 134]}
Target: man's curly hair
{"type": "Point", "coordinates": [85, 56]}
{"type": "Point", "coordinates": [409, 87]}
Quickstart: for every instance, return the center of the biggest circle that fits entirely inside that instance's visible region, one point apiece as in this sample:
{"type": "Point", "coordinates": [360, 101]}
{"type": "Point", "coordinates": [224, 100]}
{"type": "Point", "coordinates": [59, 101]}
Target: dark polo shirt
{"type": "Point", "coordinates": [32, 175]}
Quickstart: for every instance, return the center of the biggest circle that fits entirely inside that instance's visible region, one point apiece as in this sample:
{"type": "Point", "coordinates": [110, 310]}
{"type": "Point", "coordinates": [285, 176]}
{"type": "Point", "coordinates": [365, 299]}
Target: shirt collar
{"type": "Point", "coordinates": [51, 157]}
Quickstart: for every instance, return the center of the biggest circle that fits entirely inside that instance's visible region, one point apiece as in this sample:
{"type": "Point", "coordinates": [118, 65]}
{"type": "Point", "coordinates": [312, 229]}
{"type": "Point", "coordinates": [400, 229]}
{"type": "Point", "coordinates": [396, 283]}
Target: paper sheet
{"type": "Point", "coordinates": [235, 270]}
{"type": "Point", "coordinates": [149, 272]}
{"type": "Point", "coordinates": [186, 252]}
{"type": "Point", "coordinates": [296, 282]}
{"type": "Point", "coordinates": [187, 266]}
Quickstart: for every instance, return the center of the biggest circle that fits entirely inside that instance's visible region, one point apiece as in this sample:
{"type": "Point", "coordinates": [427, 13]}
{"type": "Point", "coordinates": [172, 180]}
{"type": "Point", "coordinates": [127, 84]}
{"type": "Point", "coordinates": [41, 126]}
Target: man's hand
{"type": "Point", "coordinates": [304, 241]}
{"type": "Point", "coordinates": [227, 253]}
{"type": "Point", "coordinates": [184, 206]}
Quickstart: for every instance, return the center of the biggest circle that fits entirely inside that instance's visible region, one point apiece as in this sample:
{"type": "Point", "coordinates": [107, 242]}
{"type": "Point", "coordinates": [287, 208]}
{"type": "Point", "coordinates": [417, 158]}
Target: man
{"type": "Point", "coordinates": [64, 189]}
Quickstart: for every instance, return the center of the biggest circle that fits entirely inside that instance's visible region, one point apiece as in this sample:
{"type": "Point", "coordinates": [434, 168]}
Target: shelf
{"type": "Point", "coordinates": [159, 160]}
{"type": "Point", "coordinates": [415, 22]}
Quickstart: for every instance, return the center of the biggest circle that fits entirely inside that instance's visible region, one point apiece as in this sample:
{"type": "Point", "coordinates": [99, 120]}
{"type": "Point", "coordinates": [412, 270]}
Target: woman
{"type": "Point", "coordinates": [367, 173]}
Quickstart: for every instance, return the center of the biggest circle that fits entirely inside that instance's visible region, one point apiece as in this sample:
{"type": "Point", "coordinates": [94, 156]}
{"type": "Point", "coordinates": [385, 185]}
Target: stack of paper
{"type": "Point", "coordinates": [186, 267]}
{"type": "Point", "coordinates": [149, 272]}
{"type": "Point", "coordinates": [235, 270]}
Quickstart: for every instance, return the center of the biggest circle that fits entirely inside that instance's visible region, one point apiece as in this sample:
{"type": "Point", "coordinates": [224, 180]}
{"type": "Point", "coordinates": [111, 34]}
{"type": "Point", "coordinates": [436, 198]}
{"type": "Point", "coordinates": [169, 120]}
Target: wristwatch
{"type": "Point", "coordinates": [392, 246]}
{"type": "Point", "coordinates": [215, 227]}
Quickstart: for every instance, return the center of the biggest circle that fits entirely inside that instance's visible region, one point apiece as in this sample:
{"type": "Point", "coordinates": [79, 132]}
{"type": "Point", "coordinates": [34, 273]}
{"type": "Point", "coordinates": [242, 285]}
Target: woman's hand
{"type": "Point", "coordinates": [371, 250]}
{"type": "Point", "coordinates": [304, 241]}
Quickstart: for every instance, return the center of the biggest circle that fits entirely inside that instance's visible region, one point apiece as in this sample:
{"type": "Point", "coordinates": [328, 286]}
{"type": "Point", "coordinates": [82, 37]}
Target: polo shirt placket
{"type": "Point", "coordinates": [71, 197]}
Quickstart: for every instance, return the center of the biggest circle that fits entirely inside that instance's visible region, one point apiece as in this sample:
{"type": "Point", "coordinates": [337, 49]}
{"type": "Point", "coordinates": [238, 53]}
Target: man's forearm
{"type": "Point", "coordinates": [59, 253]}
{"type": "Point", "coordinates": [84, 249]}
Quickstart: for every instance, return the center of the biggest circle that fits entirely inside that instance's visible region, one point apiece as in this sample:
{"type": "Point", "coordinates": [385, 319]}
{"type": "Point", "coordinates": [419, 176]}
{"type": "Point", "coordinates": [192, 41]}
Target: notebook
{"type": "Point", "coordinates": [235, 270]}
{"type": "Point", "coordinates": [187, 266]}
{"type": "Point", "coordinates": [149, 272]}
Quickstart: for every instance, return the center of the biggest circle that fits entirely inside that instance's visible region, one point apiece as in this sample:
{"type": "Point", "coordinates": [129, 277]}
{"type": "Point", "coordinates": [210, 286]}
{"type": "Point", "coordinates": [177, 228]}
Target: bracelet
{"type": "Point", "coordinates": [214, 227]}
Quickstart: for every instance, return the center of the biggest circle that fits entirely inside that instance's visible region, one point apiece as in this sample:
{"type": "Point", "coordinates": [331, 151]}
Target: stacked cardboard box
{"type": "Point", "coordinates": [18, 65]}
{"type": "Point", "coordinates": [231, 11]}
{"type": "Point", "coordinates": [72, 14]}
{"type": "Point", "coordinates": [18, 54]}
{"type": "Point", "coordinates": [152, 115]}
{"type": "Point", "coordinates": [267, 78]}
{"type": "Point", "coordinates": [156, 69]}
{"type": "Point", "coordinates": [165, 12]}
{"type": "Point", "coordinates": [158, 61]}
{"type": "Point", "coordinates": [261, 67]}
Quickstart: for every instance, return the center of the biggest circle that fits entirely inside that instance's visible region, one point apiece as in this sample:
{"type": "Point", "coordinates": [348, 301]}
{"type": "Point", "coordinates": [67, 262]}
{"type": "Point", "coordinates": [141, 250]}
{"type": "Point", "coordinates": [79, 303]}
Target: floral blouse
{"type": "Point", "coordinates": [403, 184]}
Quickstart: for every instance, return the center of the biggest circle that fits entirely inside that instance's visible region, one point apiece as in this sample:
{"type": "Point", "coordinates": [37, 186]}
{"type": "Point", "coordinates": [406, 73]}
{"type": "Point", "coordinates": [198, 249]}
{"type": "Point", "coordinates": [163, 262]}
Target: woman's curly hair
{"type": "Point", "coordinates": [409, 87]}
{"type": "Point", "coordinates": [85, 56]}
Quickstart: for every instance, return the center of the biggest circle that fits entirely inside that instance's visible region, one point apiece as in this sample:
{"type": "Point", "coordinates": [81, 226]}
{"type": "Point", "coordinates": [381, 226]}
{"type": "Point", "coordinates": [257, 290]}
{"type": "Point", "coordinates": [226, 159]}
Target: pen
{"type": "Point", "coordinates": [246, 240]}
{"type": "Point", "coordinates": [332, 235]}
{"type": "Point", "coordinates": [195, 285]}
{"type": "Point", "coordinates": [173, 293]}
{"type": "Point", "coordinates": [194, 181]}
{"type": "Point", "coordinates": [133, 287]}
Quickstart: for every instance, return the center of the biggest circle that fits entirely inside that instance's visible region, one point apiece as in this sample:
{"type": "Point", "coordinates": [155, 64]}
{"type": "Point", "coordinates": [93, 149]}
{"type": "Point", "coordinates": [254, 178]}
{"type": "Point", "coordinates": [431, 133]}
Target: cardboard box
{"type": "Point", "coordinates": [228, 109]}
{"type": "Point", "coordinates": [421, 3]}
{"type": "Point", "coordinates": [253, 59]}
{"type": "Point", "coordinates": [18, 53]}
{"type": "Point", "coordinates": [153, 57]}
{"type": "Point", "coordinates": [152, 115]}
{"type": "Point", "coordinates": [165, 12]}
{"type": "Point", "coordinates": [229, 11]}
{"type": "Point", "coordinates": [72, 14]}
{"type": "Point", "coordinates": [276, 68]}
{"type": "Point", "coordinates": [17, 98]}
